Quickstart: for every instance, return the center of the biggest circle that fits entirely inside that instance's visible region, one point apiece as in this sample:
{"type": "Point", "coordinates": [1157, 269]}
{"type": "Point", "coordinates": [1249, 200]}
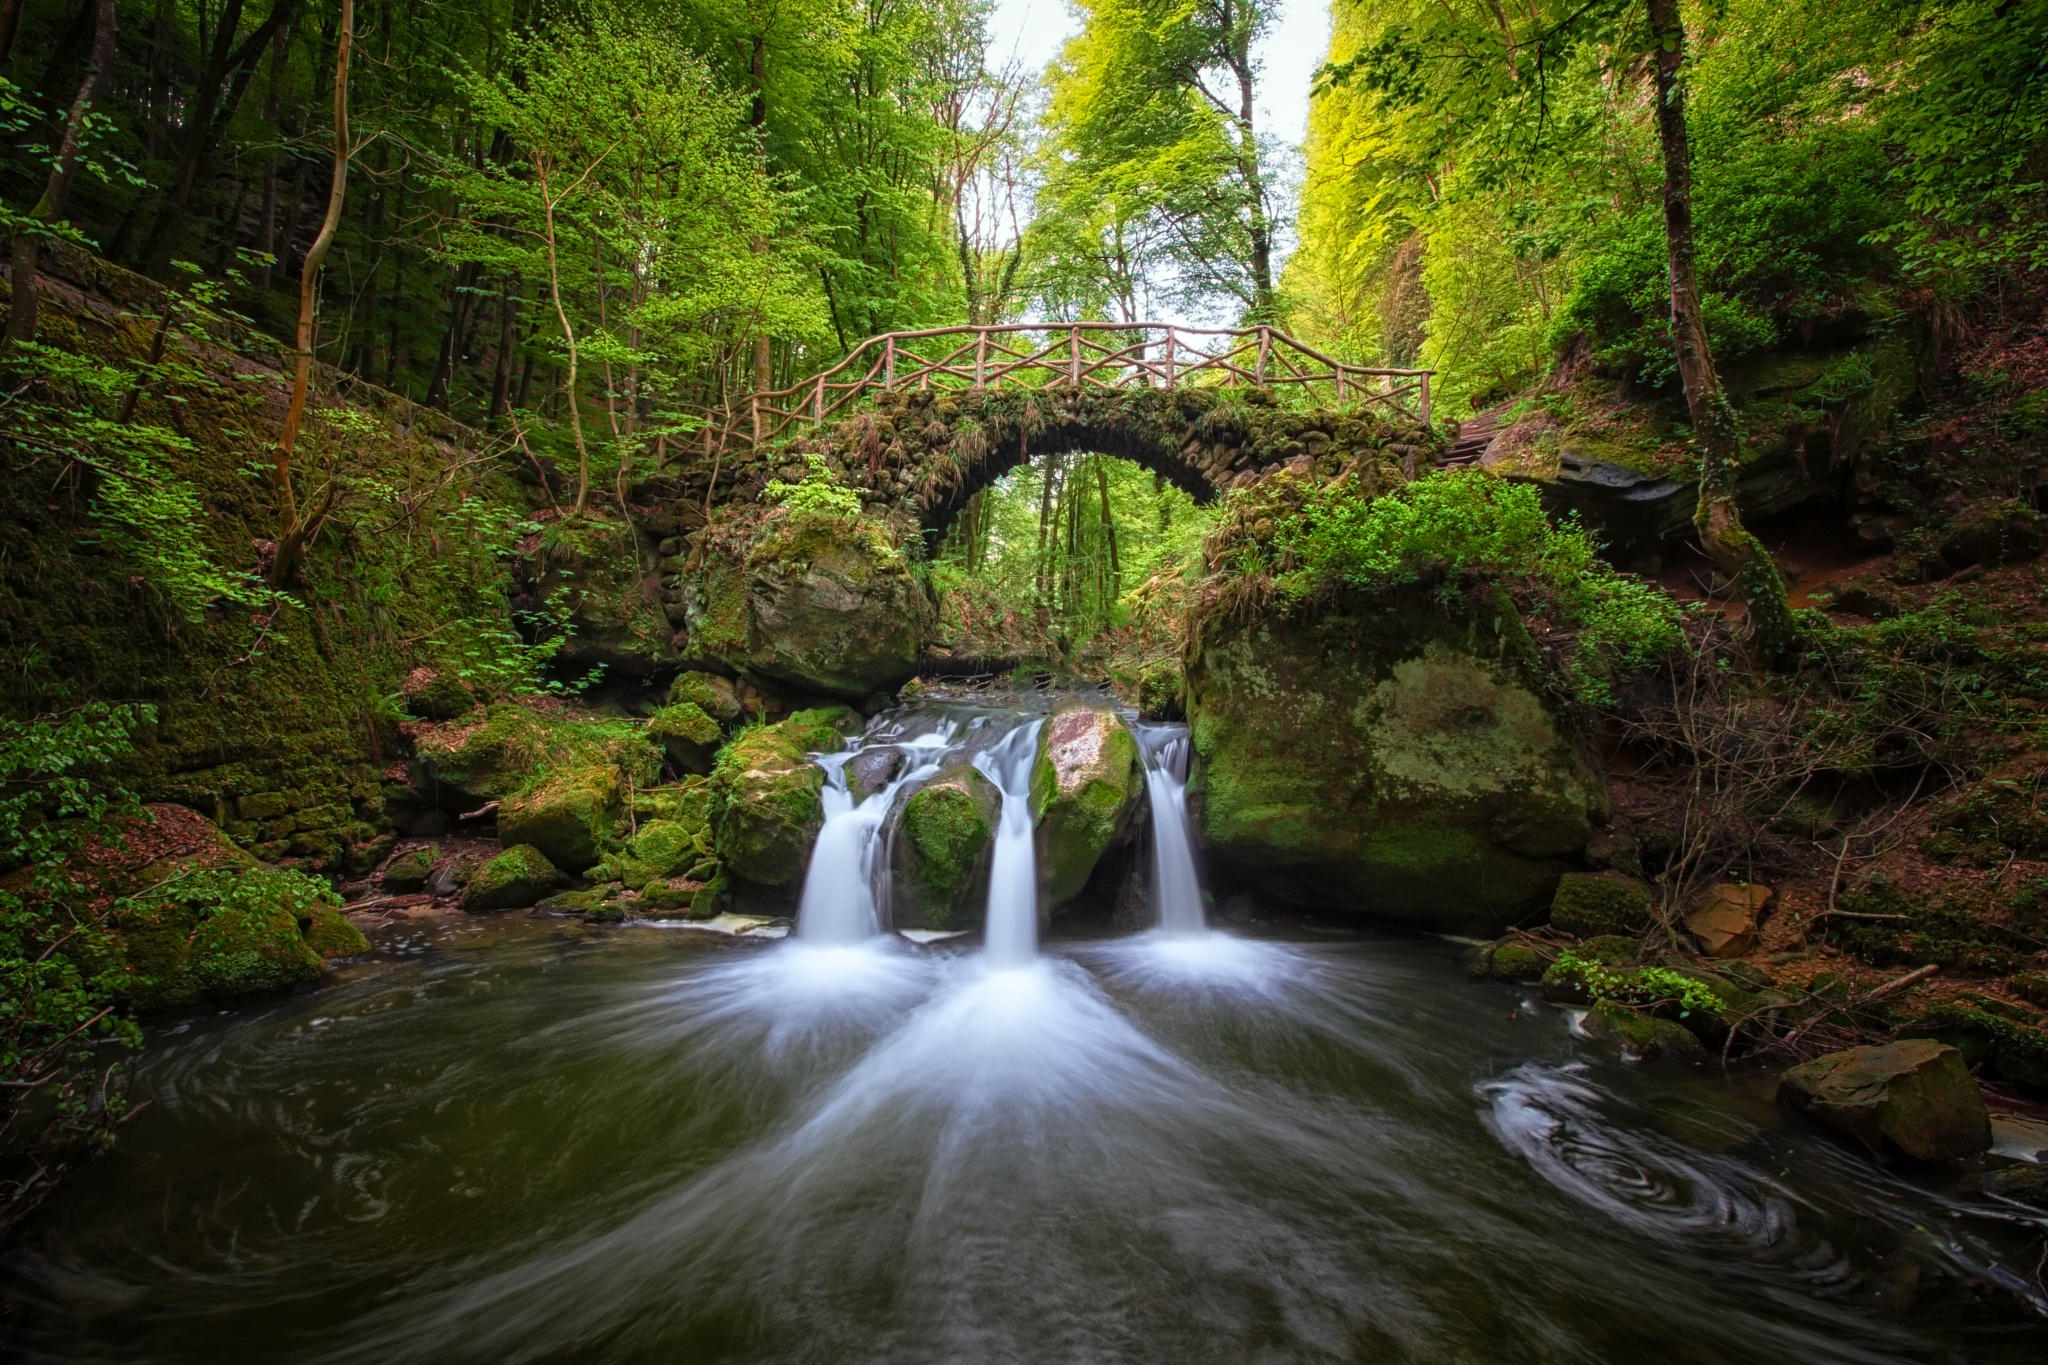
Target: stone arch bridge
{"type": "Point", "coordinates": [919, 422]}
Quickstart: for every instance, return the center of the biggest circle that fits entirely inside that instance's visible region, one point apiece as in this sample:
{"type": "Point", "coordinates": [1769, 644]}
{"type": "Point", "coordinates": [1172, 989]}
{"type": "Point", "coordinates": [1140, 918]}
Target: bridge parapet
{"type": "Point", "coordinates": [1072, 356]}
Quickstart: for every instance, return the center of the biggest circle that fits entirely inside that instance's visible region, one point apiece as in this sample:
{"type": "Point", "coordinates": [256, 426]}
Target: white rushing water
{"type": "Point", "coordinates": [1176, 888]}
{"type": "Point", "coordinates": [1011, 936]}
{"type": "Point", "coordinates": [840, 902]}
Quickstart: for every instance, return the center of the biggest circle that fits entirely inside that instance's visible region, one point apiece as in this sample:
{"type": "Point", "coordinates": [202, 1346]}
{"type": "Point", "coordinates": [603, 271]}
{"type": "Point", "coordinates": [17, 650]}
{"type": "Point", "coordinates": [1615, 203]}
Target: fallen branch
{"type": "Point", "coordinates": [1909, 980]}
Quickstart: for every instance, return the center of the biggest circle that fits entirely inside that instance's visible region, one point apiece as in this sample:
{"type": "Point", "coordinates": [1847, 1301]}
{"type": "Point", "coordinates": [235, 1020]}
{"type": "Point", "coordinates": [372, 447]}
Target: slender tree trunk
{"type": "Point", "coordinates": [1255, 189]}
{"type": "Point", "coordinates": [548, 203]}
{"type": "Point", "coordinates": [1739, 556]}
{"type": "Point", "coordinates": [501, 373]}
{"type": "Point", "coordinates": [21, 315]}
{"type": "Point", "coordinates": [296, 530]}
{"type": "Point", "coordinates": [1116, 572]}
{"type": "Point", "coordinates": [221, 85]}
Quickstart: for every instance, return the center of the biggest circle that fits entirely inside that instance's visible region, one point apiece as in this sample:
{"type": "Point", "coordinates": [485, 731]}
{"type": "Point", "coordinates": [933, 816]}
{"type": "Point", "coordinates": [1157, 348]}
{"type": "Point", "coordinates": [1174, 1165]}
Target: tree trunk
{"type": "Point", "coordinates": [294, 531]}
{"type": "Point", "coordinates": [218, 93]}
{"type": "Point", "coordinates": [10, 24]}
{"type": "Point", "coordinates": [21, 316]}
{"type": "Point", "coordinates": [1739, 556]}
{"type": "Point", "coordinates": [1255, 189]}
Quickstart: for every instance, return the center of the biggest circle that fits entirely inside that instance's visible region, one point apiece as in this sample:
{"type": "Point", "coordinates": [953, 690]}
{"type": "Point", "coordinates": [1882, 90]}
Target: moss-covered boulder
{"type": "Point", "coordinates": [1597, 904]}
{"type": "Point", "coordinates": [687, 734]}
{"type": "Point", "coordinates": [1640, 1037]}
{"type": "Point", "coordinates": [1914, 1097]}
{"type": "Point", "coordinates": [486, 755]}
{"type": "Point", "coordinates": [2008, 1039]}
{"type": "Point", "coordinates": [1086, 783]}
{"type": "Point", "coordinates": [329, 933]}
{"type": "Point", "coordinates": [518, 877]}
{"type": "Point", "coordinates": [568, 815]}
{"type": "Point", "coordinates": [1385, 755]}
{"type": "Point", "coordinates": [714, 696]}
{"type": "Point", "coordinates": [226, 935]}
{"type": "Point", "coordinates": [661, 849]}
{"type": "Point", "coordinates": [408, 872]}
{"type": "Point", "coordinates": [763, 806]}
{"type": "Point", "coordinates": [825, 604]}
{"type": "Point", "coordinates": [597, 574]}
{"type": "Point", "coordinates": [1510, 960]}
{"type": "Point", "coordinates": [435, 694]}
{"type": "Point", "coordinates": [941, 853]}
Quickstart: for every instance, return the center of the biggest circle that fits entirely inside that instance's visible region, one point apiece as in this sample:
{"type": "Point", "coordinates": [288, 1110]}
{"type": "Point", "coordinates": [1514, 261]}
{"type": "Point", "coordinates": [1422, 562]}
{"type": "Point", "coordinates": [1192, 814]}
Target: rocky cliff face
{"type": "Point", "coordinates": [1387, 757]}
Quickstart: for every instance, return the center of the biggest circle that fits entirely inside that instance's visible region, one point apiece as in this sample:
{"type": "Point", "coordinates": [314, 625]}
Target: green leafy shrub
{"type": "Point", "coordinates": [1642, 987]}
{"type": "Point", "coordinates": [1457, 527]}
{"type": "Point", "coordinates": [817, 494]}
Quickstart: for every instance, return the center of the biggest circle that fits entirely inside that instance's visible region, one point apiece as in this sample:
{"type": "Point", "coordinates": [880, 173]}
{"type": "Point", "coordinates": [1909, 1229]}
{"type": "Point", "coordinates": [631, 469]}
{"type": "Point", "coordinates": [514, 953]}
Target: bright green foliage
{"type": "Point", "coordinates": [223, 935]}
{"type": "Point", "coordinates": [1156, 181]}
{"type": "Point", "coordinates": [817, 494]}
{"type": "Point", "coordinates": [1483, 185]}
{"type": "Point", "coordinates": [1639, 986]}
{"type": "Point", "coordinates": [1467, 527]}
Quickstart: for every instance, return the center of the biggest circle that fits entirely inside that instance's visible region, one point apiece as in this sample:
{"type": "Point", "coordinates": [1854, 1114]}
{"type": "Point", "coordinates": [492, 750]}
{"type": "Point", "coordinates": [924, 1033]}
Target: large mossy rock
{"type": "Point", "coordinates": [518, 877]}
{"type": "Point", "coordinates": [598, 576]}
{"type": "Point", "coordinates": [1914, 1096]}
{"type": "Point", "coordinates": [1592, 905]}
{"type": "Point", "coordinates": [942, 852]}
{"type": "Point", "coordinates": [568, 815]}
{"type": "Point", "coordinates": [1086, 783]}
{"type": "Point", "coordinates": [1385, 755]}
{"type": "Point", "coordinates": [826, 605]}
{"type": "Point", "coordinates": [763, 805]}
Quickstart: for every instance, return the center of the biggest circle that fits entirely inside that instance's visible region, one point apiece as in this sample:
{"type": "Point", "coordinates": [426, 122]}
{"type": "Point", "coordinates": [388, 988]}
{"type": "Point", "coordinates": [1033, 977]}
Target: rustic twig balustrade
{"type": "Point", "coordinates": [1071, 355]}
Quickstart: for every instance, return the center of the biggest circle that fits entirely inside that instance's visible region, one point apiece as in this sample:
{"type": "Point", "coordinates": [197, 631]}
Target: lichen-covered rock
{"type": "Point", "coordinates": [942, 851]}
{"type": "Point", "coordinates": [516, 878]}
{"type": "Point", "coordinates": [763, 807]}
{"type": "Point", "coordinates": [568, 815]}
{"type": "Point", "coordinates": [435, 694]}
{"type": "Point", "coordinates": [1914, 1096]}
{"type": "Point", "coordinates": [715, 696]}
{"type": "Point", "coordinates": [687, 733]}
{"type": "Point", "coordinates": [1086, 783]}
{"type": "Point", "coordinates": [1388, 756]}
{"type": "Point", "coordinates": [408, 872]}
{"type": "Point", "coordinates": [825, 604]}
{"type": "Point", "coordinates": [1640, 1037]}
{"type": "Point", "coordinates": [1510, 960]}
{"type": "Point", "coordinates": [1590, 906]}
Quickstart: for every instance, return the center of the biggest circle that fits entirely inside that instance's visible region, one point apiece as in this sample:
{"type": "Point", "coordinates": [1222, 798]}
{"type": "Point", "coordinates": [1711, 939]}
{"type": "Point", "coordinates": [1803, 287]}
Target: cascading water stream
{"type": "Point", "coordinates": [840, 904]}
{"type": "Point", "coordinates": [1010, 938]}
{"type": "Point", "coordinates": [1176, 888]}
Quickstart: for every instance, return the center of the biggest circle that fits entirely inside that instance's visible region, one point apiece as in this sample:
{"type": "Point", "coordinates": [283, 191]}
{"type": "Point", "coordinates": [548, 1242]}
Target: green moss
{"type": "Point", "coordinates": [223, 936]}
{"type": "Point", "coordinates": [661, 849]}
{"type": "Point", "coordinates": [684, 720]}
{"type": "Point", "coordinates": [587, 902]}
{"type": "Point", "coordinates": [408, 871]}
{"type": "Point", "coordinates": [1987, 1033]}
{"type": "Point", "coordinates": [708, 692]}
{"type": "Point", "coordinates": [438, 695]}
{"type": "Point", "coordinates": [330, 934]}
{"type": "Point", "coordinates": [1511, 960]}
{"type": "Point", "coordinates": [822, 729]}
{"type": "Point", "coordinates": [763, 807]}
{"type": "Point", "coordinates": [947, 828]}
{"type": "Point", "coordinates": [2031, 987]}
{"type": "Point", "coordinates": [519, 876]}
{"type": "Point", "coordinates": [1639, 1036]}
{"type": "Point", "coordinates": [1085, 784]}
{"type": "Point", "coordinates": [1591, 904]}
{"type": "Point", "coordinates": [568, 815]}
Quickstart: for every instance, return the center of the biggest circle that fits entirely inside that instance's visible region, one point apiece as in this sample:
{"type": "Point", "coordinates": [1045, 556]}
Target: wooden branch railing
{"type": "Point", "coordinates": [1074, 355]}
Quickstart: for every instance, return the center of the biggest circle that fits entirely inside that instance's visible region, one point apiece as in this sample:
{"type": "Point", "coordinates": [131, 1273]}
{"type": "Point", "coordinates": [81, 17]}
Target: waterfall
{"type": "Point", "coordinates": [843, 892]}
{"type": "Point", "coordinates": [1011, 936]}
{"type": "Point", "coordinates": [1176, 889]}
